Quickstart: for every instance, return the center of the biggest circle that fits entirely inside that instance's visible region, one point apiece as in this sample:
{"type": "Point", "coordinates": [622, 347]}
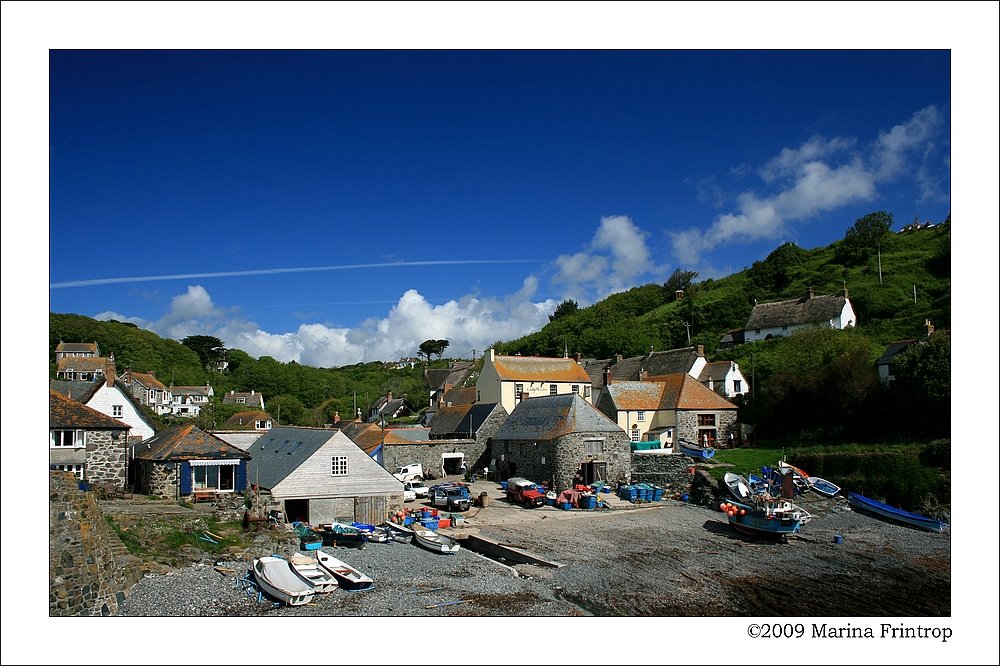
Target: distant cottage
{"type": "Point", "coordinates": [771, 320]}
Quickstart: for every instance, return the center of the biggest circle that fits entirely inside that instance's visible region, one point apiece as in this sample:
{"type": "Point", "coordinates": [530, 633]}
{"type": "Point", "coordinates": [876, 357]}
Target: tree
{"type": "Point", "coordinates": [678, 280]}
{"type": "Point", "coordinates": [922, 385]}
{"type": "Point", "coordinates": [564, 309]}
{"type": "Point", "coordinates": [428, 347]}
{"type": "Point", "coordinates": [210, 349]}
{"type": "Point", "coordinates": [865, 235]}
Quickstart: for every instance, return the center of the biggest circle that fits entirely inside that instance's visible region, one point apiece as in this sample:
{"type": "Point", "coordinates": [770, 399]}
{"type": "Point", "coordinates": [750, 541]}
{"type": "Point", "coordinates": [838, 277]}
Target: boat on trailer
{"type": "Point", "coordinates": [866, 504]}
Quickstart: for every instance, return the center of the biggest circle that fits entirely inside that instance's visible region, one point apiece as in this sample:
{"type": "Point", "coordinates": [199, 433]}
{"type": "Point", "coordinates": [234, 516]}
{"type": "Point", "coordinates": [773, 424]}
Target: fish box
{"type": "Point", "coordinates": [444, 523]}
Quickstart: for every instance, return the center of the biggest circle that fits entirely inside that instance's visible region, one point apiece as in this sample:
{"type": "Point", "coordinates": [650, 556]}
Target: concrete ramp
{"type": "Point", "coordinates": [495, 549]}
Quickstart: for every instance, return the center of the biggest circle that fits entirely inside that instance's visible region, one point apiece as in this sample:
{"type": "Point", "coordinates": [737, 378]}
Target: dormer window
{"type": "Point", "coordinates": [241, 400]}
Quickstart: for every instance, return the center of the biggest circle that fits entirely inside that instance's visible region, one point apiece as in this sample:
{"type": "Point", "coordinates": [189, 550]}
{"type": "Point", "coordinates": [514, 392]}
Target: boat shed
{"type": "Point", "coordinates": [561, 439]}
{"type": "Point", "coordinates": [187, 461]}
{"type": "Point", "coordinates": [318, 475]}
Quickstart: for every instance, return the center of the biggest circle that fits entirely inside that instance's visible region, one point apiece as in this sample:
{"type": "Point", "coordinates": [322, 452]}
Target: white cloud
{"type": "Point", "coordinates": [613, 261]}
{"type": "Point", "coordinates": [816, 177]}
{"type": "Point", "coordinates": [468, 323]}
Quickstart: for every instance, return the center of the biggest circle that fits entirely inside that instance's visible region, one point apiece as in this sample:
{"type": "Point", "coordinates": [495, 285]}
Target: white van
{"type": "Point", "coordinates": [411, 472]}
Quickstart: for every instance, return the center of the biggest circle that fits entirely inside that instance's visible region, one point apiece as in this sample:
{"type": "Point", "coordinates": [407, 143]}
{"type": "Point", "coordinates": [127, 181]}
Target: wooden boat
{"type": "Point", "coordinates": [435, 542]}
{"type": "Point", "coordinates": [339, 534]}
{"type": "Point", "coordinates": [276, 577]}
{"type": "Point", "coordinates": [760, 486]}
{"type": "Point", "coordinates": [738, 486]}
{"type": "Point", "coordinates": [375, 534]}
{"type": "Point", "coordinates": [770, 519]}
{"type": "Point", "coordinates": [308, 568]}
{"type": "Point", "coordinates": [823, 487]}
{"type": "Point", "coordinates": [695, 450]}
{"type": "Point", "coordinates": [399, 532]}
{"type": "Point", "coordinates": [348, 577]}
{"type": "Point", "coordinates": [799, 478]}
{"type": "Point", "coordinates": [860, 502]}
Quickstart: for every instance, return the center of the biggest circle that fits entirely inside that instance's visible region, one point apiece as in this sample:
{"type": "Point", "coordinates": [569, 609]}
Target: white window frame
{"type": "Point", "coordinates": [117, 411]}
{"type": "Point", "coordinates": [576, 389]}
{"type": "Point", "coordinates": [737, 386]}
{"type": "Point", "coordinates": [77, 469]}
{"type": "Point", "coordinates": [634, 434]}
{"type": "Point", "coordinates": [640, 415]}
{"type": "Point", "coordinates": [78, 439]}
{"type": "Point", "coordinates": [338, 466]}
{"type": "Point", "coordinates": [553, 389]}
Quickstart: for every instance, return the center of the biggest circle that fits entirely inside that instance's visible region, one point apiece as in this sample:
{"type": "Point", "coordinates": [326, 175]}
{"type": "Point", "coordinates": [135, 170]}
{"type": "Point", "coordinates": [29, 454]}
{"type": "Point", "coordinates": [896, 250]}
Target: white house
{"type": "Point", "coordinates": [188, 400]}
{"type": "Point", "coordinates": [149, 391]}
{"type": "Point", "coordinates": [318, 475]}
{"type": "Point", "coordinates": [110, 398]}
{"type": "Point", "coordinates": [770, 320]}
{"type": "Point", "coordinates": [510, 379]}
{"type": "Point", "coordinates": [725, 378]}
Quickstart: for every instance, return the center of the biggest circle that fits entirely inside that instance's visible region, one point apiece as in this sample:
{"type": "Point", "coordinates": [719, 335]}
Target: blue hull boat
{"type": "Point", "coordinates": [695, 451]}
{"type": "Point", "coordinates": [772, 520]}
{"type": "Point", "coordinates": [866, 504]}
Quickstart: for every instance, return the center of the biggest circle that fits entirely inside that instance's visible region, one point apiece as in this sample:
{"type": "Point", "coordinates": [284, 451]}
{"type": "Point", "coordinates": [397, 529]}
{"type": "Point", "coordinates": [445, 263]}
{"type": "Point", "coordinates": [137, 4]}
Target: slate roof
{"type": "Point", "coordinates": [684, 392]}
{"type": "Point", "coordinates": [595, 369]}
{"type": "Point", "coordinates": [147, 380]}
{"type": "Point", "coordinates": [82, 392]}
{"type": "Point", "coordinates": [796, 312]}
{"type": "Point", "coordinates": [280, 451]}
{"type": "Point", "coordinates": [82, 363]}
{"type": "Point", "coordinates": [539, 369]}
{"type": "Point", "coordinates": [894, 348]}
{"type": "Point", "coordinates": [77, 347]}
{"type": "Point", "coordinates": [67, 413]}
{"type": "Point", "coordinates": [255, 398]}
{"type": "Point", "coordinates": [436, 378]}
{"type": "Point", "coordinates": [668, 362]}
{"type": "Point", "coordinates": [246, 419]}
{"type": "Point", "coordinates": [186, 442]}
{"type": "Point", "coordinates": [716, 371]}
{"type": "Point", "coordinates": [189, 390]}
{"type": "Point", "coordinates": [461, 396]}
{"type": "Point", "coordinates": [464, 420]}
{"type": "Point", "coordinates": [389, 408]}
{"type": "Point", "coordinates": [552, 416]}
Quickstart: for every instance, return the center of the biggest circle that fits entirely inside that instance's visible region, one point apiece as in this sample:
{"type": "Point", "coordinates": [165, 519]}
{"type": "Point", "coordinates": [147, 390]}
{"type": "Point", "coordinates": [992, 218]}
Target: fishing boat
{"type": "Point", "coordinates": [760, 486]}
{"type": "Point", "coordinates": [799, 478]}
{"type": "Point", "coordinates": [374, 533]}
{"type": "Point", "coordinates": [866, 504]}
{"type": "Point", "coordinates": [307, 567]}
{"type": "Point", "coordinates": [823, 487]}
{"type": "Point", "coordinates": [399, 532]}
{"type": "Point", "coordinates": [277, 578]}
{"type": "Point", "coordinates": [435, 542]}
{"type": "Point", "coordinates": [339, 534]}
{"type": "Point", "coordinates": [695, 450]}
{"type": "Point", "coordinates": [770, 519]}
{"type": "Point", "coordinates": [348, 577]}
{"type": "Point", "coordinates": [738, 486]}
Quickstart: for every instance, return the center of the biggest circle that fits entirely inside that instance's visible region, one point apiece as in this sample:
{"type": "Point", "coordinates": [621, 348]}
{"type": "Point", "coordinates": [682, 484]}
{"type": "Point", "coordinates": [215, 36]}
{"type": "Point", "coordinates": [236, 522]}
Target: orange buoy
{"type": "Point", "coordinates": [743, 512]}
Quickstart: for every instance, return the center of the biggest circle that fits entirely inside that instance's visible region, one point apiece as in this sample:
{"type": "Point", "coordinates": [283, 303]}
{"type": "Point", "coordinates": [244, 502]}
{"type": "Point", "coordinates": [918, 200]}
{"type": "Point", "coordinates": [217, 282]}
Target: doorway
{"type": "Point", "coordinates": [451, 463]}
{"type": "Point", "coordinates": [297, 510]}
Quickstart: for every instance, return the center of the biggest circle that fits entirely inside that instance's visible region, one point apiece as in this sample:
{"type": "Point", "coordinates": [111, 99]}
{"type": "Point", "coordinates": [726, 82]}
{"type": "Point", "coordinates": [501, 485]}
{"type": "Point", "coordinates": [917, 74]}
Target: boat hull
{"type": "Point", "coordinates": [876, 508]}
{"type": "Point", "coordinates": [346, 539]}
{"type": "Point", "coordinates": [349, 578]}
{"type": "Point", "coordinates": [277, 579]}
{"type": "Point", "coordinates": [436, 543]}
{"type": "Point", "coordinates": [823, 487]}
{"type": "Point", "coordinates": [771, 521]}
{"type": "Point", "coordinates": [696, 452]}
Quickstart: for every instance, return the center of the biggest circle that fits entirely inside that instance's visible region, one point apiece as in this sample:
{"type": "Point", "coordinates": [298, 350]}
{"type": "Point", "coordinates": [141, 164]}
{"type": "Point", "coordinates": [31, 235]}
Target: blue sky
{"type": "Point", "coordinates": [581, 171]}
{"type": "Point", "coordinates": [331, 207]}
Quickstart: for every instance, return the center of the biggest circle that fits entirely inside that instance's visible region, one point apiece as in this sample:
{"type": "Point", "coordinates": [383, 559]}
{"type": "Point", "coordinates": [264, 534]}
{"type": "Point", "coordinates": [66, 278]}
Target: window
{"type": "Point", "coordinates": [553, 389]}
{"type": "Point", "coordinates": [576, 388]}
{"type": "Point", "coordinates": [76, 469]}
{"type": "Point", "coordinates": [66, 439]}
{"type": "Point", "coordinates": [262, 425]}
{"type": "Point", "coordinates": [757, 331]}
{"type": "Point", "coordinates": [737, 386]}
{"type": "Point", "coordinates": [213, 477]}
{"type": "Point", "coordinates": [241, 400]}
{"type": "Point", "coordinates": [339, 467]}
{"type": "Point", "coordinates": [586, 391]}
{"type": "Point", "coordinates": [785, 327]}
{"type": "Point", "coordinates": [640, 415]}
{"type": "Point", "coordinates": [116, 411]}
{"type": "Point", "coordinates": [518, 390]}
{"type": "Point", "coordinates": [706, 419]}
{"type": "Point", "coordinates": [594, 447]}
{"type": "Point", "coordinates": [635, 433]}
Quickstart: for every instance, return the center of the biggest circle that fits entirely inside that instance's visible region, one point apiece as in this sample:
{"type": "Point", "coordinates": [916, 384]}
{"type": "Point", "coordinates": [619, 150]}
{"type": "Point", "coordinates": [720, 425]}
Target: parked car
{"type": "Point", "coordinates": [411, 472]}
{"type": "Point", "coordinates": [523, 491]}
{"type": "Point", "coordinates": [408, 494]}
{"type": "Point", "coordinates": [451, 498]}
{"type": "Point", "coordinates": [418, 487]}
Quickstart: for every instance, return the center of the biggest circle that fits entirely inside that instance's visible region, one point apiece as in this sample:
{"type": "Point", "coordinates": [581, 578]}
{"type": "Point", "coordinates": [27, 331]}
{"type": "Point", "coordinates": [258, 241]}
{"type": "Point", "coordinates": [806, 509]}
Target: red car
{"type": "Point", "coordinates": [523, 491]}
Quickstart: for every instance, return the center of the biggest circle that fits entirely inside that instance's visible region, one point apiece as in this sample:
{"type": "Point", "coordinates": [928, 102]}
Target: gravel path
{"type": "Point", "coordinates": [672, 559]}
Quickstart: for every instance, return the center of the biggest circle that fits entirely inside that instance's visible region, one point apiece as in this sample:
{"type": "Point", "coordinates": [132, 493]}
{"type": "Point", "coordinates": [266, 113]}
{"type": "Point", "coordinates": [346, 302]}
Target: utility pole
{"type": "Point", "coordinates": [753, 399]}
{"type": "Point", "coordinates": [688, 327]}
{"type": "Point", "coordinates": [879, 248]}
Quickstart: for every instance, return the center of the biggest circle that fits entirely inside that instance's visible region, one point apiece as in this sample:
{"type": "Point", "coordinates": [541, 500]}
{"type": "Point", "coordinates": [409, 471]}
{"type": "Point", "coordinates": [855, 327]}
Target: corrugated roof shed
{"type": "Point", "coordinates": [552, 416]}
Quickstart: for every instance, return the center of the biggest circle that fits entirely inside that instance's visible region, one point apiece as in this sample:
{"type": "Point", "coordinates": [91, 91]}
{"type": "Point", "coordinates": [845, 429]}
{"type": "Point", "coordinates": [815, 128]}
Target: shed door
{"type": "Point", "coordinates": [372, 510]}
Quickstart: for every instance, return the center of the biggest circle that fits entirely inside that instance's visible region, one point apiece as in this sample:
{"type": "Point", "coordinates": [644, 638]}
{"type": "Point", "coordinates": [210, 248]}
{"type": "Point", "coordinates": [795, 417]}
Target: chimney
{"type": "Point", "coordinates": [930, 327]}
{"type": "Point", "coordinates": [491, 355]}
{"type": "Point", "coordinates": [336, 417]}
{"type": "Point", "coordinates": [251, 391]}
{"type": "Point", "coordinates": [679, 295]}
{"type": "Point", "coordinates": [643, 375]}
{"type": "Point", "coordinates": [607, 376]}
{"type": "Point", "coordinates": [151, 373]}
{"type": "Point", "coordinates": [578, 356]}
{"type": "Point", "coordinates": [701, 350]}
{"type": "Point", "coordinates": [388, 397]}
{"type": "Point", "coordinates": [618, 358]}
{"type": "Point", "coordinates": [844, 292]}
{"type": "Point", "coordinates": [109, 371]}
{"type": "Point", "coordinates": [812, 295]}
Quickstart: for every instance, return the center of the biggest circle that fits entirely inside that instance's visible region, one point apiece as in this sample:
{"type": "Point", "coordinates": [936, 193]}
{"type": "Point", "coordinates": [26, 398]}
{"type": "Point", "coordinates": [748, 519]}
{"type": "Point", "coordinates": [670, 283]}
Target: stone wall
{"type": "Point", "coordinates": [557, 462]}
{"type": "Point", "coordinates": [429, 454]}
{"type": "Point", "coordinates": [90, 571]}
{"type": "Point", "coordinates": [669, 471]}
{"type": "Point", "coordinates": [106, 456]}
{"type": "Point", "coordinates": [725, 424]}
{"type": "Point", "coordinates": [158, 478]}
